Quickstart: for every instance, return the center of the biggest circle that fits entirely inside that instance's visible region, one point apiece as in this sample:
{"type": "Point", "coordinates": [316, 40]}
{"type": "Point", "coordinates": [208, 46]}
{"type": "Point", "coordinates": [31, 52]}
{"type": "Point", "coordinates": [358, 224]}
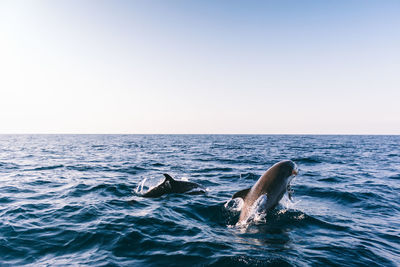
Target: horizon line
{"type": "Point", "coordinates": [321, 134]}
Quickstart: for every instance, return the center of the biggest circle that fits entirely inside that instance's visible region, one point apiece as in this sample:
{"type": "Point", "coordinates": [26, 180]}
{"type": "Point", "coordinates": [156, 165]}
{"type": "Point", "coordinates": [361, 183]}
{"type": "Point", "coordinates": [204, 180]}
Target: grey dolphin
{"type": "Point", "coordinates": [170, 185]}
{"type": "Point", "coordinates": [273, 183]}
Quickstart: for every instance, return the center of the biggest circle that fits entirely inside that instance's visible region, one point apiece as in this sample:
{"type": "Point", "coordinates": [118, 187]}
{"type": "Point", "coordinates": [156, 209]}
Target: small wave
{"type": "Point", "coordinates": [44, 168]}
{"type": "Point", "coordinates": [84, 214]}
{"type": "Point", "coordinates": [14, 190]}
{"type": "Point", "coordinates": [309, 221]}
{"type": "Point", "coordinates": [41, 182]}
{"type": "Point", "coordinates": [335, 179]}
{"type": "Point", "coordinates": [216, 169]}
{"type": "Point", "coordinates": [130, 170]}
{"type": "Point", "coordinates": [99, 147]}
{"type": "Point", "coordinates": [88, 168]}
{"type": "Point", "coordinates": [211, 214]}
{"type": "Point", "coordinates": [117, 190]}
{"type": "Point", "coordinates": [8, 166]}
{"type": "Point", "coordinates": [6, 200]}
{"type": "Point", "coordinates": [157, 164]}
{"type": "Point", "coordinates": [345, 197]}
{"type": "Point", "coordinates": [249, 176]}
{"type": "Point", "coordinates": [307, 160]}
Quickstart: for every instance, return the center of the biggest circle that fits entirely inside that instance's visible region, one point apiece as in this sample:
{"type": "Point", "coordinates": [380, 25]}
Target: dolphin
{"type": "Point", "coordinates": [272, 184]}
{"type": "Point", "coordinates": [170, 185]}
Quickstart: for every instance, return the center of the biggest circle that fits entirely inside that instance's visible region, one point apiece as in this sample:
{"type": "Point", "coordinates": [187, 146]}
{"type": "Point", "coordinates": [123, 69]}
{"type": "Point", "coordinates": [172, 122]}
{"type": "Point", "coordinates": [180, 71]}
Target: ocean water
{"type": "Point", "coordinates": [72, 200]}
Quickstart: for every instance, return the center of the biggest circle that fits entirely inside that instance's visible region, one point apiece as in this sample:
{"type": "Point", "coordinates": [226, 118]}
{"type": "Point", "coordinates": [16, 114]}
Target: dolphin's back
{"type": "Point", "coordinates": [170, 185]}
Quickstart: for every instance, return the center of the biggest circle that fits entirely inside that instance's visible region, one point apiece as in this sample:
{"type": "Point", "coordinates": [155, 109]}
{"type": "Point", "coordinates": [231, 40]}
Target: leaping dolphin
{"type": "Point", "coordinates": [170, 185]}
{"type": "Point", "coordinates": [273, 183]}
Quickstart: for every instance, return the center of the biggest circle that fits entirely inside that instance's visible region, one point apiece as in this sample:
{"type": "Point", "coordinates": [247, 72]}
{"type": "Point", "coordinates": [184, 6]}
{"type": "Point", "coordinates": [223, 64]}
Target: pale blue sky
{"type": "Point", "coordinates": [283, 67]}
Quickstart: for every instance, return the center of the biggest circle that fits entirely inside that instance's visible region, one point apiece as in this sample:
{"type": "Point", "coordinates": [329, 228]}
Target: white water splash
{"type": "Point", "coordinates": [257, 214]}
{"type": "Point", "coordinates": [258, 211]}
{"type": "Point", "coordinates": [140, 187]}
{"type": "Point", "coordinates": [287, 203]}
{"type": "Point", "coordinates": [147, 184]}
{"type": "Point", "coordinates": [235, 204]}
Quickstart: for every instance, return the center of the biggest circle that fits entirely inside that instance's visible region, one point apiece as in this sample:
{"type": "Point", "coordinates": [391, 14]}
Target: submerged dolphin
{"type": "Point", "coordinates": [273, 184]}
{"type": "Point", "coordinates": [170, 185]}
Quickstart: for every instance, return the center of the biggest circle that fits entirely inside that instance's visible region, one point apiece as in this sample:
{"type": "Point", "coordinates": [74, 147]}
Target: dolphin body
{"type": "Point", "coordinates": [170, 185]}
{"type": "Point", "coordinates": [273, 184]}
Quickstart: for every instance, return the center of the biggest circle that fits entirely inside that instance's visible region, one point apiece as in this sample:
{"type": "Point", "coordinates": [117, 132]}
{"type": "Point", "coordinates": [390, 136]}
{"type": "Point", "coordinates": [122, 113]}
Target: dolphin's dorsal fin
{"type": "Point", "coordinates": [168, 177]}
{"type": "Point", "coordinates": [242, 193]}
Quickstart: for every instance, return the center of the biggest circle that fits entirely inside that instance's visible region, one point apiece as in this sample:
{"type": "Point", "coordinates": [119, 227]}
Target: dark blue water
{"type": "Point", "coordinates": [70, 199]}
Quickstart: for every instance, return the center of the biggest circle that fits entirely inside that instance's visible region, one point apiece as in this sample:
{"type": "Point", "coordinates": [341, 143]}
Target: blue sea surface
{"type": "Point", "coordinates": [72, 200]}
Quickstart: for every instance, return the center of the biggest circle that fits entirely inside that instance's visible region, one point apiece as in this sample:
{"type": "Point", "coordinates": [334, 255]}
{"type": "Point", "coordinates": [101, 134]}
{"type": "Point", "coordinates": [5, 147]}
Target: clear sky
{"type": "Point", "coordinates": [262, 67]}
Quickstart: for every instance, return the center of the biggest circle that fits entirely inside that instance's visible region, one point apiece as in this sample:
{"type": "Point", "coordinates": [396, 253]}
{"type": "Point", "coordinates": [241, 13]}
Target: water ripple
{"type": "Point", "coordinates": [69, 200]}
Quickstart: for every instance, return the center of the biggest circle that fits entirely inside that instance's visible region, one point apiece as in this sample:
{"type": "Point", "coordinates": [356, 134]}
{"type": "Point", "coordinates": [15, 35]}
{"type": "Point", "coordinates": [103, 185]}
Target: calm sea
{"type": "Point", "coordinates": [70, 200]}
